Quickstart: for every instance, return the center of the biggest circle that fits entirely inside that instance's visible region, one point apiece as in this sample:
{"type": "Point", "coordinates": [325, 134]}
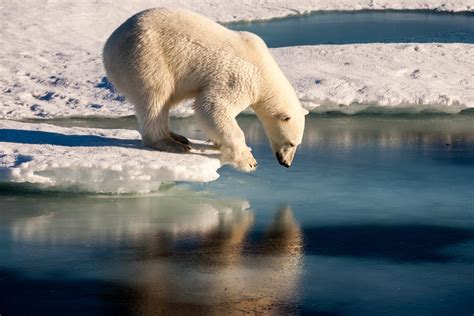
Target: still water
{"type": "Point", "coordinates": [363, 27]}
{"type": "Point", "coordinates": [375, 217]}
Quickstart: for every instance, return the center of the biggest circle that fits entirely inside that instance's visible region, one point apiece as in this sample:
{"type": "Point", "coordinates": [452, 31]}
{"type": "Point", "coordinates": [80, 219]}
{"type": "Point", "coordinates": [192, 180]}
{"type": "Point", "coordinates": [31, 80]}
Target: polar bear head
{"type": "Point", "coordinates": [284, 127]}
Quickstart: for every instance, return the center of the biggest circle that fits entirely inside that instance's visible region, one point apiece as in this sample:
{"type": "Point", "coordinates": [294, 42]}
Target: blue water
{"type": "Point", "coordinates": [375, 217]}
{"type": "Point", "coordinates": [363, 27]}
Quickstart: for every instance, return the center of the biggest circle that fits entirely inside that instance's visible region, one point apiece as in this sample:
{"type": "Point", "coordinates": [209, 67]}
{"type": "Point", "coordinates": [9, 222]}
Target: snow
{"type": "Point", "coordinates": [50, 61]}
{"type": "Point", "coordinates": [349, 78]}
{"type": "Point", "coordinates": [95, 160]}
{"type": "Point", "coordinates": [378, 77]}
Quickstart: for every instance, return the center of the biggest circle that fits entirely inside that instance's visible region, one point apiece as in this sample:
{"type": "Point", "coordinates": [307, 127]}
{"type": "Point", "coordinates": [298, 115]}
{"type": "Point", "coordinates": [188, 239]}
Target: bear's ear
{"type": "Point", "coordinates": [283, 117]}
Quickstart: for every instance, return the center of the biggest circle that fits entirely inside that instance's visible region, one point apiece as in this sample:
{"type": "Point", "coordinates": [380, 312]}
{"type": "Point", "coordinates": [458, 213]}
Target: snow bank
{"type": "Point", "coordinates": [346, 78]}
{"type": "Point", "coordinates": [378, 77]}
{"type": "Point", "coordinates": [50, 61]}
{"type": "Point", "coordinates": [95, 160]}
{"type": "Point", "coordinates": [349, 78]}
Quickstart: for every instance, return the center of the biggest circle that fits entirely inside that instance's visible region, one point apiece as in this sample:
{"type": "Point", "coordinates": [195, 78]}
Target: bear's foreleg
{"type": "Point", "coordinates": [222, 128]}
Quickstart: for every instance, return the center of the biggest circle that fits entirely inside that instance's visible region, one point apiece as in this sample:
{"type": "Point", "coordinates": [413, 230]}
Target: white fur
{"type": "Point", "coordinates": [160, 57]}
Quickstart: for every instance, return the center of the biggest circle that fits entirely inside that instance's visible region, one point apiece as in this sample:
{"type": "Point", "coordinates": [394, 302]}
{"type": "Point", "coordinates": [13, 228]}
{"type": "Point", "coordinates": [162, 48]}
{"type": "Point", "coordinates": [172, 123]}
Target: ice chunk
{"type": "Point", "coordinates": [95, 160]}
{"type": "Point", "coordinates": [176, 212]}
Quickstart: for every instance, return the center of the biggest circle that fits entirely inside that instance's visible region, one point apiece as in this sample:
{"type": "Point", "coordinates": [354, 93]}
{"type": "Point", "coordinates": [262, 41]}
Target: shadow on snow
{"type": "Point", "coordinates": [51, 138]}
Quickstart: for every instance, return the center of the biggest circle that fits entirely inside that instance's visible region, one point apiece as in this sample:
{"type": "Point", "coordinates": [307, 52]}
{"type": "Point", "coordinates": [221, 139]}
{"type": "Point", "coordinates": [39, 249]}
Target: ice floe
{"type": "Point", "coordinates": [51, 65]}
{"type": "Point", "coordinates": [350, 78]}
{"type": "Point", "coordinates": [95, 160]}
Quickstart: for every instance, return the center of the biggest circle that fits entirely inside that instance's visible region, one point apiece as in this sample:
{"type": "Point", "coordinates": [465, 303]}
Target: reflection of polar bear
{"type": "Point", "coordinates": [228, 272]}
{"type": "Point", "coordinates": [160, 57]}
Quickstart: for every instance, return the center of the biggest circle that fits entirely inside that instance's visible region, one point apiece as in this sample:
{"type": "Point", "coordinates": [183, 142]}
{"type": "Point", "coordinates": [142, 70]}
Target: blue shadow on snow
{"type": "Point", "coordinates": [51, 138]}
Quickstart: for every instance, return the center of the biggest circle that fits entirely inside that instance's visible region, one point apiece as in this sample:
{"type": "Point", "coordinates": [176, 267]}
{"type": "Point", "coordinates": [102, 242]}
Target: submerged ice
{"type": "Point", "coordinates": [95, 160]}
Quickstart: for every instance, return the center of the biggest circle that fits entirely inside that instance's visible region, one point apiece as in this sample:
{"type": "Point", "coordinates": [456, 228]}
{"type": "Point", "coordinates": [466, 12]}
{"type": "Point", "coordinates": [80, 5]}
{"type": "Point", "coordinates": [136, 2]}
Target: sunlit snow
{"type": "Point", "coordinates": [51, 64]}
{"type": "Point", "coordinates": [96, 160]}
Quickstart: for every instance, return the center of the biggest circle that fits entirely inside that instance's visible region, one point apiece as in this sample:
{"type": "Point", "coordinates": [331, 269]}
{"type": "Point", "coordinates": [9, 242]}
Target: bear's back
{"type": "Point", "coordinates": [176, 30]}
{"type": "Point", "coordinates": [183, 26]}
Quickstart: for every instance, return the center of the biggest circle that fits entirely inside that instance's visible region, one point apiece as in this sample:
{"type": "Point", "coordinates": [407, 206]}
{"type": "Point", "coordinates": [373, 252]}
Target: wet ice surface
{"type": "Point", "coordinates": [374, 217]}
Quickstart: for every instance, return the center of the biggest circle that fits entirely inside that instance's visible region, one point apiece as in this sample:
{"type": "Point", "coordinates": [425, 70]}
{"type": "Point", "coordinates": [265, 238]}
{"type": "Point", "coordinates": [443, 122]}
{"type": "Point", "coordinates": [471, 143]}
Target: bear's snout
{"type": "Point", "coordinates": [282, 161]}
{"type": "Point", "coordinates": [285, 155]}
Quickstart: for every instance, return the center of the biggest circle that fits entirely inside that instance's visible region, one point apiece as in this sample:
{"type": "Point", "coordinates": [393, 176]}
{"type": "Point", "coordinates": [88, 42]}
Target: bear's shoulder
{"type": "Point", "coordinates": [253, 41]}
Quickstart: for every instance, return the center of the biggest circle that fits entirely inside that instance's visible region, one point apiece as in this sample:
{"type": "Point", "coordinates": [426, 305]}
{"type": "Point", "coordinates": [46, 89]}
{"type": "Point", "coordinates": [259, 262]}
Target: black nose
{"type": "Point", "coordinates": [281, 161]}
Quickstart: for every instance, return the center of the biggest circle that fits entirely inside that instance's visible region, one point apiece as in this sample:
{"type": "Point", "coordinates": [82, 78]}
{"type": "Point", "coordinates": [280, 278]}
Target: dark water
{"type": "Point", "coordinates": [375, 217]}
{"type": "Point", "coordinates": [364, 27]}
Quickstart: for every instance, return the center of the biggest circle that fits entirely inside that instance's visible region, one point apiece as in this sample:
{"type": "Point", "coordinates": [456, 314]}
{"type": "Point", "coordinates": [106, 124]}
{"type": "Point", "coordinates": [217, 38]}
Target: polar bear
{"type": "Point", "coordinates": [160, 57]}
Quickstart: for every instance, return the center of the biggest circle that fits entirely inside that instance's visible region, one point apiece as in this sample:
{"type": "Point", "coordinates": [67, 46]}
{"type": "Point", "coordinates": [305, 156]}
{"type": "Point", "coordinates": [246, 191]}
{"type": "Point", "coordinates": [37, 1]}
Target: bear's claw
{"type": "Point", "coordinates": [171, 146]}
{"type": "Point", "coordinates": [180, 139]}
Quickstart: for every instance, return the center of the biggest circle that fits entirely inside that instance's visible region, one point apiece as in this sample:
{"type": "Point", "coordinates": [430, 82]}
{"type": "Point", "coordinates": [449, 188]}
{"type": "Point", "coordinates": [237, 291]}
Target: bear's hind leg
{"type": "Point", "coordinates": [169, 145]}
{"type": "Point", "coordinates": [154, 128]}
{"type": "Point", "coordinates": [179, 138]}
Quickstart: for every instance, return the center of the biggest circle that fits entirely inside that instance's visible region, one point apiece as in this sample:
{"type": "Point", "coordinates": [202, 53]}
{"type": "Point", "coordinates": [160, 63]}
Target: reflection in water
{"type": "Point", "coordinates": [386, 131]}
{"type": "Point", "coordinates": [224, 273]}
{"type": "Point", "coordinates": [101, 220]}
{"type": "Point", "coordinates": [378, 130]}
{"type": "Point", "coordinates": [407, 243]}
{"type": "Point", "coordinates": [173, 254]}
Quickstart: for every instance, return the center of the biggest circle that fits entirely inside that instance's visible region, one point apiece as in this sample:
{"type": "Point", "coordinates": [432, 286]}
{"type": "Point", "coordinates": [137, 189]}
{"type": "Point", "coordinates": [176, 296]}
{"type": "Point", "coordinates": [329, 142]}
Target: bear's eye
{"type": "Point", "coordinates": [283, 117]}
{"type": "Point", "coordinates": [291, 144]}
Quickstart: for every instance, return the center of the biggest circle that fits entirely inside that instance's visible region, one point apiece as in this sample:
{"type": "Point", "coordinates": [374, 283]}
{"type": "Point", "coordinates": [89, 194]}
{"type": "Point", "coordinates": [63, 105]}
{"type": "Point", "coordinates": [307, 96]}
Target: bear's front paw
{"type": "Point", "coordinates": [248, 164]}
{"type": "Point", "coordinates": [240, 159]}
